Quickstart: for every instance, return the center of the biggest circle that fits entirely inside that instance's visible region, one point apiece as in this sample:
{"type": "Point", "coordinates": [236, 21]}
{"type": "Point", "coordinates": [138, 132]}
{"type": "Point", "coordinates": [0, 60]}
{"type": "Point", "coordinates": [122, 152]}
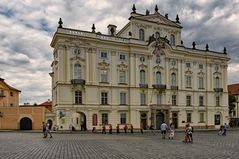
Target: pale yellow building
{"type": "Point", "coordinates": [140, 75]}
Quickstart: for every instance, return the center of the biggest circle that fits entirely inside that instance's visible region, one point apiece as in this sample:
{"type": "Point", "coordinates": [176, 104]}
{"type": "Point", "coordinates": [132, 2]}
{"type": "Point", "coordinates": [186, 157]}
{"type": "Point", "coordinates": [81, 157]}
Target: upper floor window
{"type": "Point", "coordinates": [141, 34]}
{"type": "Point", "coordinates": [217, 101]}
{"type": "Point", "coordinates": [1, 92]}
{"type": "Point", "coordinates": [122, 57]}
{"type": "Point", "coordinates": [188, 100]}
{"type": "Point", "coordinates": [201, 100]}
{"type": "Point", "coordinates": [78, 97]}
{"type": "Point", "coordinates": [142, 98]}
{"type": "Point", "coordinates": [217, 82]}
{"type": "Point", "coordinates": [200, 82]}
{"type": "Point", "coordinates": [188, 81]}
{"type": "Point", "coordinates": [173, 79]}
{"type": "Point", "coordinates": [172, 40]}
{"type": "Point", "coordinates": [122, 98]}
{"type": "Point", "coordinates": [104, 76]}
{"type": "Point", "coordinates": [104, 98]}
{"type": "Point", "coordinates": [158, 77]}
{"type": "Point", "coordinates": [11, 93]}
{"type": "Point", "coordinates": [159, 99]}
{"type": "Point", "coordinates": [188, 65]}
{"type": "Point", "coordinates": [77, 71]}
{"type": "Point", "coordinates": [174, 100]}
{"type": "Point", "coordinates": [122, 77]}
{"type": "Point", "coordinates": [157, 35]}
{"type": "Point", "coordinates": [200, 66]}
{"type": "Point", "coordinates": [142, 77]}
{"type": "Point", "coordinates": [103, 55]}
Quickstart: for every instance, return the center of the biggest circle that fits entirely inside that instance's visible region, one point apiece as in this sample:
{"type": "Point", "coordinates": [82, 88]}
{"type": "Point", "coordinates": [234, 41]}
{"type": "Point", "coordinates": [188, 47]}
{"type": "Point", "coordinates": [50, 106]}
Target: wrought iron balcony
{"type": "Point", "coordinates": [159, 86]}
{"type": "Point", "coordinates": [78, 81]}
{"type": "Point", "coordinates": [174, 87]}
{"type": "Point", "coordinates": [218, 89]}
{"type": "Point", "coordinates": [143, 85]}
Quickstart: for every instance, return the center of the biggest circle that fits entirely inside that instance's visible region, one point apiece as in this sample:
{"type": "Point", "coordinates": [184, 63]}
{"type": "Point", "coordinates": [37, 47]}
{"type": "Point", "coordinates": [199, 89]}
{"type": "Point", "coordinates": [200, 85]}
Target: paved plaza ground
{"type": "Point", "coordinates": [29, 145]}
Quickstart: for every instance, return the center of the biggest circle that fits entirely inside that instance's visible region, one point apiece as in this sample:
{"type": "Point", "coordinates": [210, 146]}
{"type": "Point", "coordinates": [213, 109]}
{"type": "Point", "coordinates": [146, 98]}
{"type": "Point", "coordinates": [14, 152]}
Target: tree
{"type": "Point", "coordinates": [231, 103]}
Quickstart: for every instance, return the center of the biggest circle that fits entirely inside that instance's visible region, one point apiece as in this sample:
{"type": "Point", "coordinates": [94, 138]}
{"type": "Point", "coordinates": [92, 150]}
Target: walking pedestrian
{"type": "Point", "coordinates": [103, 129]}
{"type": "Point", "coordinates": [44, 129]}
{"type": "Point", "coordinates": [125, 128]}
{"type": "Point", "coordinates": [190, 133]}
{"type": "Point", "coordinates": [163, 128]}
{"type": "Point", "coordinates": [117, 129]}
{"type": "Point", "coordinates": [48, 129]}
{"type": "Point", "coordinates": [224, 130]}
{"type": "Point", "coordinates": [110, 129]}
{"type": "Point", "coordinates": [131, 129]}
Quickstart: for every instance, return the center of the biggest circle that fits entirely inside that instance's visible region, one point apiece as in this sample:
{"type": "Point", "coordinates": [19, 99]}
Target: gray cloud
{"type": "Point", "coordinates": [27, 27]}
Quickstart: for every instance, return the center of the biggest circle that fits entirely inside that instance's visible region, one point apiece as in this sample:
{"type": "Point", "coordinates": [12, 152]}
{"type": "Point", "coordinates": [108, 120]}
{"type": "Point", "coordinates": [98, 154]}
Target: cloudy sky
{"type": "Point", "coordinates": [27, 27]}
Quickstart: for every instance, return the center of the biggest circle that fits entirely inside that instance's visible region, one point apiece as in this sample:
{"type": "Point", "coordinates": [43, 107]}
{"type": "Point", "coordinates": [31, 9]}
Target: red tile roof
{"type": "Point", "coordinates": [47, 104]}
{"type": "Point", "coordinates": [233, 89]}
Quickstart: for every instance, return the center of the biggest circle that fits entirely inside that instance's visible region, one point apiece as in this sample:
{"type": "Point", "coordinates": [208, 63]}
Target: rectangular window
{"type": "Point", "coordinates": [122, 78]}
{"type": "Point", "coordinates": [78, 97]}
{"type": "Point", "coordinates": [105, 118]}
{"type": "Point", "coordinates": [188, 65]}
{"type": "Point", "coordinates": [217, 101]}
{"type": "Point", "coordinates": [123, 118]}
{"type": "Point", "coordinates": [174, 100]}
{"type": "Point", "coordinates": [189, 119]}
{"type": "Point", "coordinates": [200, 66]}
{"type": "Point", "coordinates": [122, 57]}
{"type": "Point", "coordinates": [188, 81]}
{"type": "Point", "coordinates": [158, 99]}
{"type": "Point", "coordinates": [104, 76]}
{"type": "Point", "coordinates": [11, 93]}
{"type": "Point", "coordinates": [201, 117]}
{"type": "Point", "coordinates": [142, 98]}
{"type": "Point", "coordinates": [103, 55]}
{"type": "Point", "coordinates": [104, 98]}
{"type": "Point", "coordinates": [200, 82]}
{"type": "Point", "coordinates": [201, 101]}
{"type": "Point", "coordinates": [188, 100]}
{"type": "Point", "coordinates": [1, 92]}
{"type": "Point", "coordinates": [122, 98]}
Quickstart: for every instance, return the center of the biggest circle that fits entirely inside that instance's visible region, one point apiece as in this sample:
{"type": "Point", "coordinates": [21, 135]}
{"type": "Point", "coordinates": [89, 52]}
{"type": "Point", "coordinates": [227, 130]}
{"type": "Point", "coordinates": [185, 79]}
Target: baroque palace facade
{"type": "Point", "coordinates": [141, 75]}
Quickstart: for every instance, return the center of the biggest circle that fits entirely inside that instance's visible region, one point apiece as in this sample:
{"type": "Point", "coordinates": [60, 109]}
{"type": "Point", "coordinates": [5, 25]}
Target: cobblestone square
{"type": "Point", "coordinates": [208, 145]}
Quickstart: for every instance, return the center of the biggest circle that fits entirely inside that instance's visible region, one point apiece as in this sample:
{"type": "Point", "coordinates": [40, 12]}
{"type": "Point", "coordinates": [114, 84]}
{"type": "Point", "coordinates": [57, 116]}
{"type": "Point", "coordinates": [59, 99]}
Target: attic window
{"type": "Point", "coordinates": [141, 34]}
{"type": "Point", "coordinates": [172, 40]}
{"type": "Point", "coordinates": [11, 93]}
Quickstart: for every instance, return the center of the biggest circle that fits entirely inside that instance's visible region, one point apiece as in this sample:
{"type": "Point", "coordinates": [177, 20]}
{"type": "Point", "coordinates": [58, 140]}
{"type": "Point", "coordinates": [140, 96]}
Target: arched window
{"type": "Point", "coordinates": [172, 40]}
{"type": "Point", "coordinates": [217, 82]}
{"type": "Point", "coordinates": [173, 79]}
{"type": "Point", "coordinates": [157, 35]}
{"type": "Point", "coordinates": [158, 77]}
{"type": "Point", "coordinates": [77, 71]}
{"type": "Point", "coordinates": [141, 34]}
{"type": "Point", "coordinates": [142, 77]}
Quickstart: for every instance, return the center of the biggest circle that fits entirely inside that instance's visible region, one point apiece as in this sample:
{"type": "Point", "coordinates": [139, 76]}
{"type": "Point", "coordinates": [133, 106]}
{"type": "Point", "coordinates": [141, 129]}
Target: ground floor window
{"type": "Point", "coordinates": [189, 117]}
{"type": "Point", "coordinates": [201, 117]}
{"type": "Point", "coordinates": [105, 118]}
{"type": "Point", "coordinates": [217, 119]}
{"type": "Point", "coordinates": [122, 118]}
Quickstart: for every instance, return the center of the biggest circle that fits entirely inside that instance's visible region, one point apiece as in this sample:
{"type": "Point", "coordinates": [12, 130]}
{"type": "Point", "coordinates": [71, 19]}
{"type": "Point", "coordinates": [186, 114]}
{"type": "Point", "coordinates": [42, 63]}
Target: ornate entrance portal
{"type": "Point", "coordinates": [159, 119]}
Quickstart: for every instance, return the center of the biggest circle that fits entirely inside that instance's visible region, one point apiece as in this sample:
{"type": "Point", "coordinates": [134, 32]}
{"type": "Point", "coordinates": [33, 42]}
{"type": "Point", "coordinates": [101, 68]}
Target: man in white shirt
{"type": "Point", "coordinates": [163, 128]}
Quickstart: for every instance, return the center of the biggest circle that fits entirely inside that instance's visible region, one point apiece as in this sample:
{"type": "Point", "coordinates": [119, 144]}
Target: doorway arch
{"type": "Point", "coordinates": [159, 119]}
{"type": "Point", "coordinates": [81, 121]}
{"type": "Point", "coordinates": [25, 124]}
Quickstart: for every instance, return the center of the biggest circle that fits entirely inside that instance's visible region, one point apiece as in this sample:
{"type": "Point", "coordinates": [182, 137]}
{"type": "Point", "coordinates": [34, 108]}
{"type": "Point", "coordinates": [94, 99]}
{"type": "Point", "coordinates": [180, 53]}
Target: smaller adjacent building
{"type": "Point", "coordinates": [233, 89]}
{"type": "Point", "coordinates": [15, 117]}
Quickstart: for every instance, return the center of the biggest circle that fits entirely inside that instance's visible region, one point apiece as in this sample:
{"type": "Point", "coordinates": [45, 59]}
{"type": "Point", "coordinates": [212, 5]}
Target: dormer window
{"type": "Point", "coordinates": [141, 34]}
{"type": "Point", "coordinates": [157, 35]}
{"type": "Point", "coordinates": [172, 40]}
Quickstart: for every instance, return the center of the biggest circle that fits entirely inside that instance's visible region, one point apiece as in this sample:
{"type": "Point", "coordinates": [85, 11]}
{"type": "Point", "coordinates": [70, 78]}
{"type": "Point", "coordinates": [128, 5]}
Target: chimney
{"type": "Point", "coordinates": [112, 29]}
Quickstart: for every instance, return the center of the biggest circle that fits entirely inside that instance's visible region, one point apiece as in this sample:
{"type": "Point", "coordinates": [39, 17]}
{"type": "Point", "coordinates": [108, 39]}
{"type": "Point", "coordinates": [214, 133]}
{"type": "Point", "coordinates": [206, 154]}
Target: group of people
{"type": "Point", "coordinates": [164, 128]}
{"type": "Point", "coordinates": [46, 129]}
{"type": "Point", "coordinates": [223, 130]}
{"type": "Point", "coordinates": [188, 134]}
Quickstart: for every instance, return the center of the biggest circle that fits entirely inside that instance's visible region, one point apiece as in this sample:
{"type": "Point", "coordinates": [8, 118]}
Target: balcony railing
{"type": "Point", "coordinates": [174, 87]}
{"type": "Point", "coordinates": [143, 85]}
{"type": "Point", "coordinates": [218, 89]}
{"type": "Point", "coordinates": [159, 86]}
{"type": "Point", "coordinates": [78, 81]}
